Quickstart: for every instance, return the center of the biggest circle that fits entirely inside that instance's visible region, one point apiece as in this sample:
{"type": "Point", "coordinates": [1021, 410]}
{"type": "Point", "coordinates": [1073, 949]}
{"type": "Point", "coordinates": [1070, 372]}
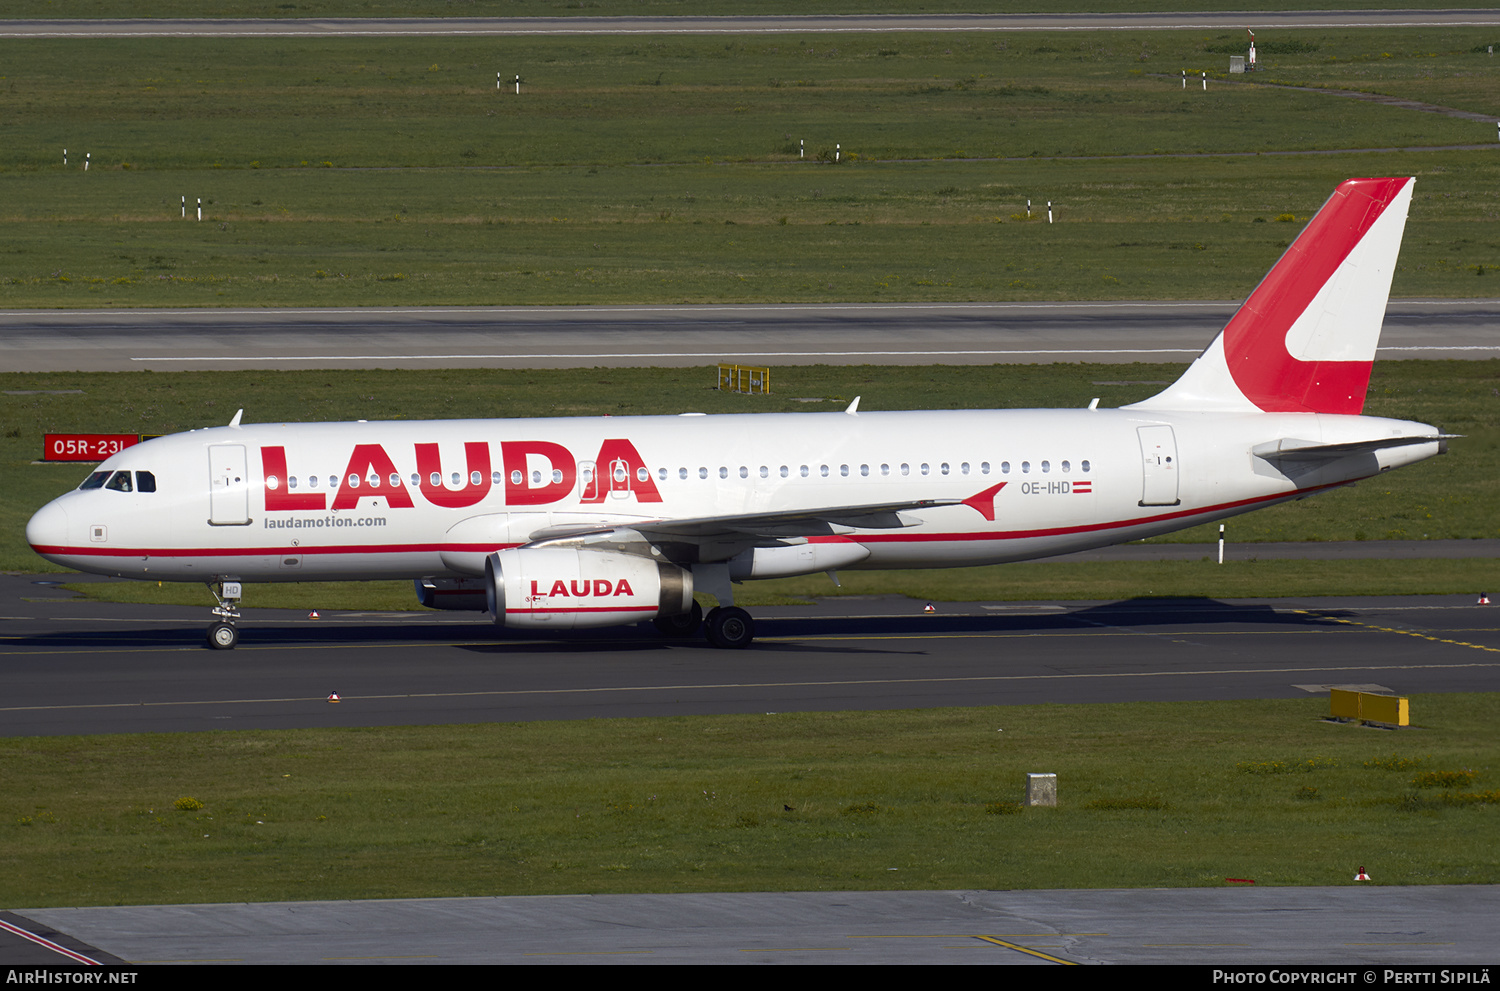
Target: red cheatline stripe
{"type": "Point", "coordinates": [55, 947]}
{"type": "Point", "coordinates": [179, 552]}
{"type": "Point", "coordinates": [486, 548]}
{"type": "Point", "coordinates": [587, 609]}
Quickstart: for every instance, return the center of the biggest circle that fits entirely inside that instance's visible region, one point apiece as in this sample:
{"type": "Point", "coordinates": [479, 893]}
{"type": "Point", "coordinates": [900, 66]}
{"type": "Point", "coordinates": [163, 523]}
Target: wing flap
{"type": "Point", "coordinates": [821, 521]}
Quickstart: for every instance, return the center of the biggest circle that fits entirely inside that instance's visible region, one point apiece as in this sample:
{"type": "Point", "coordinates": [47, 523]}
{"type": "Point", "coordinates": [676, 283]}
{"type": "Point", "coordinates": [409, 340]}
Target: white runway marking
{"type": "Point", "coordinates": [656, 354]}
{"type": "Point", "coordinates": [716, 355]}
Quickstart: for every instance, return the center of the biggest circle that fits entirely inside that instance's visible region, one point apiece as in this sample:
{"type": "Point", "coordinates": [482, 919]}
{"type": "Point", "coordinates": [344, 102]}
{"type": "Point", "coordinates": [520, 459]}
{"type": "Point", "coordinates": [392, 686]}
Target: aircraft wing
{"type": "Point", "coordinates": [820, 521]}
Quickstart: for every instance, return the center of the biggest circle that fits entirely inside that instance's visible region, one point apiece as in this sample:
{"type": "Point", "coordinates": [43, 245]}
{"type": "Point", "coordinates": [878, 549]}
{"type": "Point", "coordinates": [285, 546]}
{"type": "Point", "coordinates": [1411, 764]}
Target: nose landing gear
{"type": "Point", "coordinates": [222, 633]}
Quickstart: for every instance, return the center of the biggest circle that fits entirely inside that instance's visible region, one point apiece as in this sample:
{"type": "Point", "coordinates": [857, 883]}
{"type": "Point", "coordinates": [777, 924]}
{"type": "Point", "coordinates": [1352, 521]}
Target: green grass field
{"type": "Point", "coordinates": [51, 10]}
{"type": "Point", "coordinates": [358, 172]}
{"type": "Point", "coordinates": [1150, 795]}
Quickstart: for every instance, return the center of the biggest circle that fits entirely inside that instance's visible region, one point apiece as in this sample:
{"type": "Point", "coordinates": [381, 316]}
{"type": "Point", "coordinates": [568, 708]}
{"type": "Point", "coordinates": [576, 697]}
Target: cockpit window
{"type": "Point", "coordinates": [120, 482]}
{"type": "Point", "coordinates": [95, 480]}
{"type": "Point", "coordinates": [145, 481]}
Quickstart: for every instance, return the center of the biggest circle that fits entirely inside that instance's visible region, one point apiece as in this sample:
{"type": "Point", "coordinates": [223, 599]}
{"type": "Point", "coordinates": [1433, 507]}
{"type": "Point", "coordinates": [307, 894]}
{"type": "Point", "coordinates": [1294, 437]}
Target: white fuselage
{"type": "Point", "coordinates": [279, 502]}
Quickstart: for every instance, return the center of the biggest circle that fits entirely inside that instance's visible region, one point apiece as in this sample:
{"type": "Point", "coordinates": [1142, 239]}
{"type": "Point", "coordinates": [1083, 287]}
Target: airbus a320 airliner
{"type": "Point", "coordinates": [596, 521]}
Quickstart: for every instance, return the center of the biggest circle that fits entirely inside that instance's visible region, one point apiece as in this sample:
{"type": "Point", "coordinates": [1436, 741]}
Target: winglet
{"type": "Point", "coordinates": [1305, 340]}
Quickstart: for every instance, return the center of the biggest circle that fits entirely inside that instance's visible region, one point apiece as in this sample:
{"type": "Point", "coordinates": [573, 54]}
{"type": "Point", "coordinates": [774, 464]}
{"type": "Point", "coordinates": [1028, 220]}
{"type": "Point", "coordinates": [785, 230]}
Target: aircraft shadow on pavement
{"type": "Point", "coordinates": [1142, 612]}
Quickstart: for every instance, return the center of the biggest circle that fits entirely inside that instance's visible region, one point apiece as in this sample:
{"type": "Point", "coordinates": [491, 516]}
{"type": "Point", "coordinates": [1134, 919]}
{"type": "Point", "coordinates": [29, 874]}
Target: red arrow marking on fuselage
{"type": "Point", "coordinates": [984, 502]}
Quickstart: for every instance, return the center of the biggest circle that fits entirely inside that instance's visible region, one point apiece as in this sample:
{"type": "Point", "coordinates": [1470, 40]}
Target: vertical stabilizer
{"type": "Point", "coordinates": [1304, 342]}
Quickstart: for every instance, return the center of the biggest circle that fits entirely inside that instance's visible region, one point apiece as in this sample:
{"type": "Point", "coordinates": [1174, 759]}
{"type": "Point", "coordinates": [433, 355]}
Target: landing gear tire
{"type": "Point", "coordinates": [730, 627]}
{"type": "Point", "coordinates": [223, 636]}
{"type": "Point", "coordinates": [676, 627]}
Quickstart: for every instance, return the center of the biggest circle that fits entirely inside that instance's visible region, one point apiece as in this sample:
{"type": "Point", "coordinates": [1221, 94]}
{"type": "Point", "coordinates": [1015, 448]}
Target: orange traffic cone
{"type": "Point", "coordinates": [1484, 600]}
{"type": "Point", "coordinates": [929, 608]}
{"type": "Point", "coordinates": [313, 614]}
{"type": "Point", "coordinates": [333, 696]}
{"type": "Point", "coordinates": [1361, 876]}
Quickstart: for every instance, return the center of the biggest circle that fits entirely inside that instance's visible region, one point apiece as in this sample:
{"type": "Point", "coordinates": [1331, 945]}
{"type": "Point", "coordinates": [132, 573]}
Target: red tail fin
{"type": "Point", "coordinates": [1305, 339]}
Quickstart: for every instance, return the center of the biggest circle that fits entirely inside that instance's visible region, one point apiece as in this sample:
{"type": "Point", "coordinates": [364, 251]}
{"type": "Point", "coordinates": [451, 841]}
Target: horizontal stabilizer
{"type": "Point", "coordinates": [1288, 449]}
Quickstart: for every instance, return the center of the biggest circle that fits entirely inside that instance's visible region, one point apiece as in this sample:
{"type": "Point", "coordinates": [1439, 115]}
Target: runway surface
{"type": "Point", "coordinates": [78, 667]}
{"type": "Point", "coordinates": [1367, 931]}
{"type": "Point", "coordinates": [324, 27]}
{"type": "Point", "coordinates": [563, 337]}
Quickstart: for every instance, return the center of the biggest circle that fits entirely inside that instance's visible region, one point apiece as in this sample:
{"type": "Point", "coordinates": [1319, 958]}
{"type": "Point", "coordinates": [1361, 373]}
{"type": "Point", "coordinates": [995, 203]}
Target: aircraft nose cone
{"type": "Point", "coordinates": [47, 531]}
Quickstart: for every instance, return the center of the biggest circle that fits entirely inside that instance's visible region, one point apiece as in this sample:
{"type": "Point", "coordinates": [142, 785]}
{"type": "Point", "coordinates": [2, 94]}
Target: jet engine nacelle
{"type": "Point", "coordinates": [575, 587]}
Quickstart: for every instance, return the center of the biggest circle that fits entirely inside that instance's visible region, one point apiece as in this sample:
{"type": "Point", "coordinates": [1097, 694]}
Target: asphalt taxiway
{"type": "Point", "coordinates": [571, 337]}
{"type": "Point", "coordinates": [333, 27]}
{"type": "Point", "coordinates": [1364, 929]}
{"type": "Point", "coordinates": [73, 666]}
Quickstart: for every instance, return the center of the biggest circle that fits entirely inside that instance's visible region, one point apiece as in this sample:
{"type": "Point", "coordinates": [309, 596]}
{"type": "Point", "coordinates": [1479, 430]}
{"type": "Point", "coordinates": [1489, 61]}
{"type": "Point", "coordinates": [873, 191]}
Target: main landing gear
{"type": "Point", "coordinates": [729, 627]}
{"type": "Point", "coordinates": [222, 633]}
{"type": "Point", "coordinates": [726, 626]}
